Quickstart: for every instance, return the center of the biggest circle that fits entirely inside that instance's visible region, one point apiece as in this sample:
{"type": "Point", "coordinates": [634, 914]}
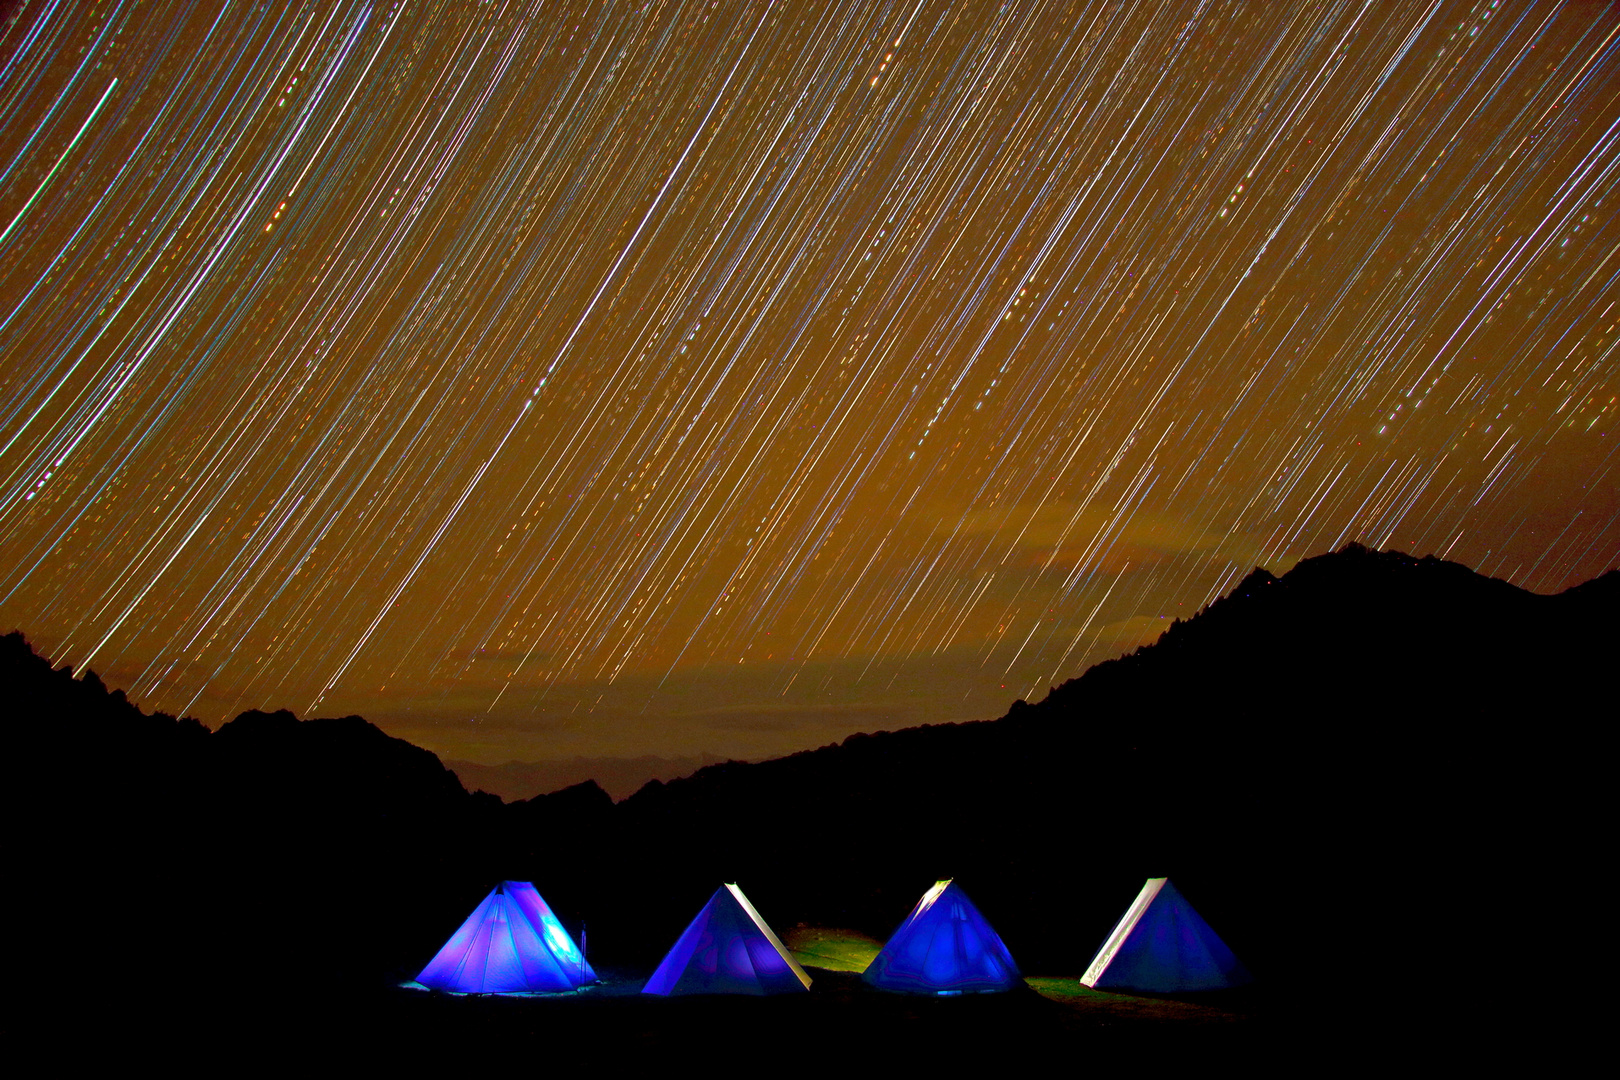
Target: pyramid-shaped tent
{"type": "Point", "coordinates": [510, 944]}
{"type": "Point", "coordinates": [728, 949]}
{"type": "Point", "coordinates": [944, 947]}
{"type": "Point", "coordinates": [1162, 945]}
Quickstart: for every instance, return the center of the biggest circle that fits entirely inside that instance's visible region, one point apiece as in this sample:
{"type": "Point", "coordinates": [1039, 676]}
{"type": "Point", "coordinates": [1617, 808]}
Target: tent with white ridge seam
{"type": "Point", "coordinates": [728, 949]}
{"type": "Point", "coordinates": [944, 947]}
{"type": "Point", "coordinates": [1163, 946]}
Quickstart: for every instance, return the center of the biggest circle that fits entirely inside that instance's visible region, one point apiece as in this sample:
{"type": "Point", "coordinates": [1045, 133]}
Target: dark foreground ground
{"type": "Point", "coordinates": [838, 1022]}
{"type": "Point", "coordinates": [839, 1025]}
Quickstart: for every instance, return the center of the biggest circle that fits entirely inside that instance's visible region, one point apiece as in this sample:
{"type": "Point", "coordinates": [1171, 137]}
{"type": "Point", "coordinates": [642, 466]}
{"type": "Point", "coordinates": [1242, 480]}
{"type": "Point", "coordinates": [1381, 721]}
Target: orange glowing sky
{"type": "Point", "coordinates": [542, 379]}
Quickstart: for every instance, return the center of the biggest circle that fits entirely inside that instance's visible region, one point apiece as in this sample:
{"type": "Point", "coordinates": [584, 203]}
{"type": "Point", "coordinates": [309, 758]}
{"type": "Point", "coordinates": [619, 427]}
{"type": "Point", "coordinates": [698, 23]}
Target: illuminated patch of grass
{"type": "Point", "coordinates": [830, 948]}
{"type": "Point", "coordinates": [1075, 995]}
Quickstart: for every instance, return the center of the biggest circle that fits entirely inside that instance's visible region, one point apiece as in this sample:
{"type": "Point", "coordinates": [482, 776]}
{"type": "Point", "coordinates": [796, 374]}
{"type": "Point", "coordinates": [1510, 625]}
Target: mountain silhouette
{"type": "Point", "coordinates": [1367, 755]}
{"type": "Point", "coordinates": [619, 776]}
{"type": "Point", "coordinates": [1299, 757]}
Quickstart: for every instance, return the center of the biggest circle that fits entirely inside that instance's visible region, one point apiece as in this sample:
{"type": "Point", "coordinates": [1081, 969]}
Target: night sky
{"type": "Point", "coordinates": [540, 379]}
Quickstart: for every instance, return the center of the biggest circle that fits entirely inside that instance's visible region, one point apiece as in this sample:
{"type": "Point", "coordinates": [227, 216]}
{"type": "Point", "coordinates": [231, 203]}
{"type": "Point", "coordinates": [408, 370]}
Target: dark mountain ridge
{"type": "Point", "coordinates": [619, 776]}
{"type": "Point", "coordinates": [1300, 757]}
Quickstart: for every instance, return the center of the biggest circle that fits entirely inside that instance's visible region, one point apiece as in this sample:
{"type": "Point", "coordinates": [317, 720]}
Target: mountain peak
{"type": "Point", "coordinates": [256, 723]}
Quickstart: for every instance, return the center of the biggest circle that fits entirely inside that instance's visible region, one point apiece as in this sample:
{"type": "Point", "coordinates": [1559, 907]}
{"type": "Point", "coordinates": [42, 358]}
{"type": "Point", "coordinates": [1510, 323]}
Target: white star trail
{"type": "Point", "coordinates": [732, 377]}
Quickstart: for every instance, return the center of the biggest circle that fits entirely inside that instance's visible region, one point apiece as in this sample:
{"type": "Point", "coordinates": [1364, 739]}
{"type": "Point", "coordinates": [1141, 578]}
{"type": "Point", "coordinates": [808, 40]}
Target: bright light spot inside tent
{"type": "Point", "coordinates": [559, 940]}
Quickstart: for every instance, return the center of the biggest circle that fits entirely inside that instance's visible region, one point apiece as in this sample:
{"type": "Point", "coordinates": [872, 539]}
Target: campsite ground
{"type": "Point", "coordinates": [840, 1022]}
{"type": "Point", "coordinates": [824, 950]}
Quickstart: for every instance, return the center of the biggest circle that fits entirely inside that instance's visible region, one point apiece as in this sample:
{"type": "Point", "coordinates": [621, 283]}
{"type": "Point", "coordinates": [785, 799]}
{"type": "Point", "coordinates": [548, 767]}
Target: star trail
{"type": "Point", "coordinates": [547, 378]}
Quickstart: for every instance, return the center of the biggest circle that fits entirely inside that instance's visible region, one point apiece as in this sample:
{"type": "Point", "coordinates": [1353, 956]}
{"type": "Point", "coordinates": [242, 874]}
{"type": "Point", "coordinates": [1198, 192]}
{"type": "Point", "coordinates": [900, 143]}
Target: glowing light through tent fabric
{"type": "Point", "coordinates": [944, 947]}
{"type": "Point", "coordinates": [728, 949]}
{"type": "Point", "coordinates": [1162, 945]}
{"type": "Point", "coordinates": [539, 914]}
{"type": "Point", "coordinates": [510, 944]}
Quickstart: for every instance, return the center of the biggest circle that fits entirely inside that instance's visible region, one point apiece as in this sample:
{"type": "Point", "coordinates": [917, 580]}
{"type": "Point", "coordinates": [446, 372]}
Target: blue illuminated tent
{"type": "Point", "coordinates": [510, 944]}
{"type": "Point", "coordinates": [944, 947]}
{"type": "Point", "coordinates": [728, 949]}
{"type": "Point", "coordinates": [1162, 945]}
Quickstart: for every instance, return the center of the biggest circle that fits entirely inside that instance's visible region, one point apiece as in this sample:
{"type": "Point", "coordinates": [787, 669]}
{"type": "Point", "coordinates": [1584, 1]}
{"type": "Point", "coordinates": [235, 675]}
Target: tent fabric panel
{"type": "Point", "coordinates": [447, 969]}
{"type": "Point", "coordinates": [500, 950]}
{"type": "Point", "coordinates": [1172, 949]}
{"type": "Point", "coordinates": [720, 963]}
{"type": "Point", "coordinates": [670, 969]}
{"type": "Point", "coordinates": [503, 963]}
{"type": "Point", "coordinates": [1122, 930]}
{"type": "Point", "coordinates": [474, 965]}
{"type": "Point", "coordinates": [909, 947]}
{"type": "Point", "coordinates": [539, 970]}
{"type": "Point", "coordinates": [922, 906]}
{"type": "Point", "coordinates": [558, 947]}
{"type": "Point", "coordinates": [775, 964]}
{"type": "Point", "coordinates": [944, 946]}
{"type": "Point", "coordinates": [727, 949]}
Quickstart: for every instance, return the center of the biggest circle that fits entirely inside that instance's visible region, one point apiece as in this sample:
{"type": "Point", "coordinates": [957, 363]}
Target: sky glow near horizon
{"type": "Point", "coordinates": [539, 379]}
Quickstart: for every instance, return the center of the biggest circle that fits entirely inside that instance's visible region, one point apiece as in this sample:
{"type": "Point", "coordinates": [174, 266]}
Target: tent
{"type": "Point", "coordinates": [1162, 945]}
{"type": "Point", "coordinates": [510, 944]}
{"type": "Point", "coordinates": [728, 949]}
{"type": "Point", "coordinates": [944, 947]}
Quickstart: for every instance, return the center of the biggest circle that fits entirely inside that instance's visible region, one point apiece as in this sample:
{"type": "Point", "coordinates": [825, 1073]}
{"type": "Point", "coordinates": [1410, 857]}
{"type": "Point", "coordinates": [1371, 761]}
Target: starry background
{"type": "Point", "coordinates": [541, 379]}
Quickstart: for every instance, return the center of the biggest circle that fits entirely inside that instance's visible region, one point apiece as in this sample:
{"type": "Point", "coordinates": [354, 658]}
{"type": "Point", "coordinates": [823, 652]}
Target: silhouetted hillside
{"type": "Point", "coordinates": [1314, 759]}
{"type": "Point", "coordinates": [619, 776]}
{"type": "Point", "coordinates": [1303, 753]}
{"type": "Point", "coordinates": [207, 849]}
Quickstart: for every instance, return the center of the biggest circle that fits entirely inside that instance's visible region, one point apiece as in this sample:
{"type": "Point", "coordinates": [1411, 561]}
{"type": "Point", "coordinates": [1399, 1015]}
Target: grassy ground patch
{"type": "Point", "coordinates": [837, 949]}
{"type": "Point", "coordinates": [1073, 994]}
{"type": "Point", "coordinates": [830, 948]}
